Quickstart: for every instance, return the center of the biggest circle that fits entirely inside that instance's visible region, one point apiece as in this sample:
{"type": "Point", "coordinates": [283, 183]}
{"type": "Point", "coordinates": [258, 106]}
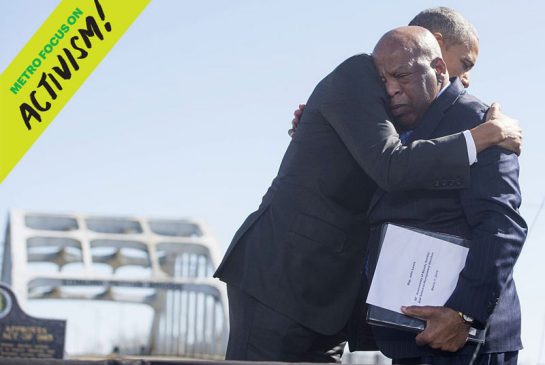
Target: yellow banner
{"type": "Point", "coordinates": [53, 65]}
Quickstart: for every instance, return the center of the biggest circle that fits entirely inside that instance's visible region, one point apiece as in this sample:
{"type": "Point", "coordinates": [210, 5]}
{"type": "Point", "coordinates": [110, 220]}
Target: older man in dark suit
{"type": "Point", "coordinates": [294, 268]}
{"type": "Point", "coordinates": [426, 105]}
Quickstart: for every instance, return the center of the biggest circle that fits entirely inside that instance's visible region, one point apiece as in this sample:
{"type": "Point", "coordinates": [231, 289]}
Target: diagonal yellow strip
{"type": "Point", "coordinates": [53, 65]}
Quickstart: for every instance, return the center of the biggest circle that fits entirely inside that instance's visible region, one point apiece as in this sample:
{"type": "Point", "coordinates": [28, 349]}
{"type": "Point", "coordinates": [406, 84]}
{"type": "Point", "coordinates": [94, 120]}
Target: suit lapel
{"type": "Point", "coordinates": [433, 116]}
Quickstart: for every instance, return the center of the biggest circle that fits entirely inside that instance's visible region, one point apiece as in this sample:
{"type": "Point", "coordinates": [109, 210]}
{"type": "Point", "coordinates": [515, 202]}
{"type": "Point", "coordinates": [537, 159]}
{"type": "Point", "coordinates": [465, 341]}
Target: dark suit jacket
{"type": "Point", "coordinates": [302, 252]}
{"type": "Point", "coordinates": [486, 213]}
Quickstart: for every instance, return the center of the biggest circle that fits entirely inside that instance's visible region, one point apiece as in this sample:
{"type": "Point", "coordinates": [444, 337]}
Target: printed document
{"type": "Point", "coordinates": [415, 269]}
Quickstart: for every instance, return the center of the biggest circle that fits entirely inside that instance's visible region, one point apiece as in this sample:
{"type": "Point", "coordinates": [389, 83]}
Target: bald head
{"type": "Point", "coordinates": [415, 41]}
{"type": "Point", "coordinates": [409, 62]}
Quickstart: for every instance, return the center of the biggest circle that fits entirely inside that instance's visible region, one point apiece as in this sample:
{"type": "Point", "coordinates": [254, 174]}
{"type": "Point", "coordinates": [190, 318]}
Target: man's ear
{"type": "Point", "coordinates": [439, 65]}
{"type": "Point", "coordinates": [440, 69]}
{"type": "Point", "coordinates": [439, 38]}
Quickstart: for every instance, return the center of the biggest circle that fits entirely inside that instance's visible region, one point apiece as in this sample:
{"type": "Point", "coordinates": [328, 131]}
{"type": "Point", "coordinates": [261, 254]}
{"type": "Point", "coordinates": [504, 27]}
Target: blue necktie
{"type": "Point", "coordinates": [405, 136]}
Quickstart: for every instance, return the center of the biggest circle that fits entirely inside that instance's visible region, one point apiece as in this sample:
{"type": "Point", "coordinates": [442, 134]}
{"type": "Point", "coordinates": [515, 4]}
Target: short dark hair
{"type": "Point", "coordinates": [454, 28]}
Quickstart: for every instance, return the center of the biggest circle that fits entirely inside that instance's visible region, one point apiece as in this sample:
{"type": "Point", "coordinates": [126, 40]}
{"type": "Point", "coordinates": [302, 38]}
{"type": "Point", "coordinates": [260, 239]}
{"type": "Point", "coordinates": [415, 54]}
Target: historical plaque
{"type": "Point", "coordinates": [23, 336]}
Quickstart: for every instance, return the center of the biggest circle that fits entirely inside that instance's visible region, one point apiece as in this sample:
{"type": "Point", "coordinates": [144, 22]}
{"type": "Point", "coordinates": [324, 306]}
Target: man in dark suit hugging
{"type": "Point", "coordinates": [425, 105]}
{"type": "Point", "coordinates": [295, 268]}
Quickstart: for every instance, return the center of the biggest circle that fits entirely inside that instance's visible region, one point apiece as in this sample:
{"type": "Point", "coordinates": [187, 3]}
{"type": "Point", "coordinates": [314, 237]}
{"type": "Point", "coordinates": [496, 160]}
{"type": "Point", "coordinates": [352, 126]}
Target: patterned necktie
{"type": "Point", "coordinates": [405, 136]}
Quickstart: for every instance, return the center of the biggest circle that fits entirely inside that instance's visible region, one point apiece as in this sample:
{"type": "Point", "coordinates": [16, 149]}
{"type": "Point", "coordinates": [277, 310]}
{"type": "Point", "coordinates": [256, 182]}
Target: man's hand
{"type": "Point", "coordinates": [498, 129]}
{"type": "Point", "coordinates": [296, 117]}
{"type": "Point", "coordinates": [445, 329]}
{"type": "Point", "coordinates": [510, 129]}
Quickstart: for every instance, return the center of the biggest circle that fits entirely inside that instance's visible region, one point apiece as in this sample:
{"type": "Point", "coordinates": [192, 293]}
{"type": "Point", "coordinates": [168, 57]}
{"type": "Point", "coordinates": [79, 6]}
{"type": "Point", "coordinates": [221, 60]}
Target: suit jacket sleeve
{"type": "Point", "coordinates": [498, 232]}
{"type": "Point", "coordinates": [354, 105]}
{"type": "Point", "coordinates": [440, 163]}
